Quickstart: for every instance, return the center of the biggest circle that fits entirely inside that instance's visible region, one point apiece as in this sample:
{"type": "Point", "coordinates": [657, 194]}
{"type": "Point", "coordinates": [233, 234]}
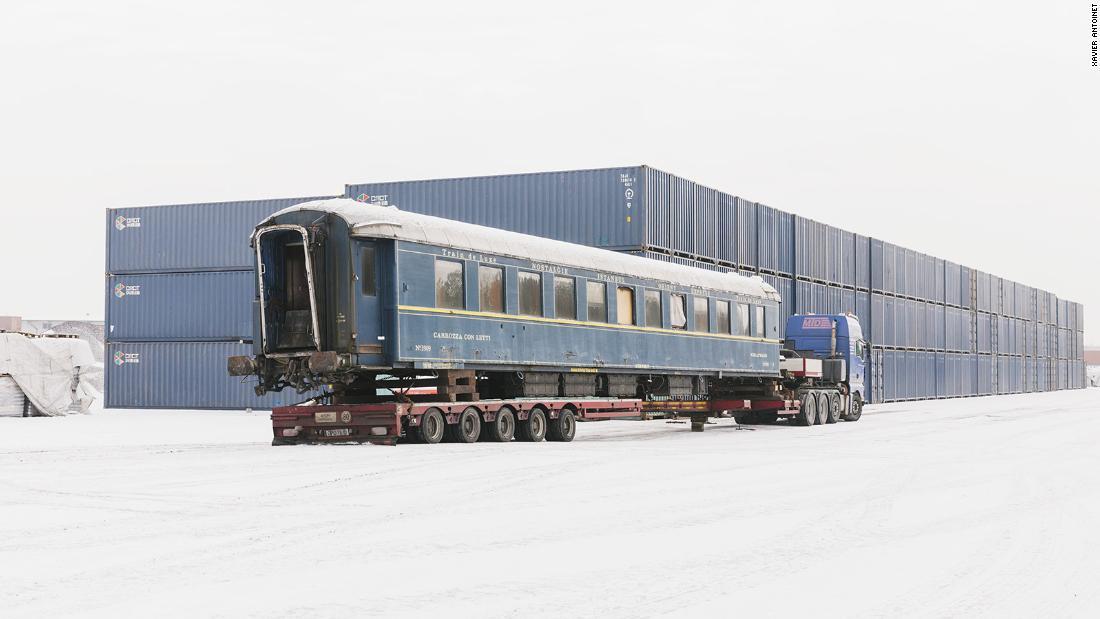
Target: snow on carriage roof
{"type": "Point", "coordinates": [368, 220]}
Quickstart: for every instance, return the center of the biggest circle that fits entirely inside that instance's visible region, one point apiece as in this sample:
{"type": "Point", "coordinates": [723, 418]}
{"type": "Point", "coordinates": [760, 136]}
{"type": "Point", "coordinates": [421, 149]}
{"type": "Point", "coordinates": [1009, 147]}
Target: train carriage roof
{"type": "Point", "coordinates": [367, 220]}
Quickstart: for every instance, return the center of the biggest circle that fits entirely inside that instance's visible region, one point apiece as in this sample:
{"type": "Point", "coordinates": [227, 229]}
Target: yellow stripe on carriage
{"type": "Point", "coordinates": [580, 323]}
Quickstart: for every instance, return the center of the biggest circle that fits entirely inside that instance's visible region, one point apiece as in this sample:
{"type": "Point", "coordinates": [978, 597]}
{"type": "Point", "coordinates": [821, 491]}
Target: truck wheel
{"type": "Point", "coordinates": [857, 408]}
{"type": "Point", "coordinates": [532, 429]}
{"type": "Point", "coordinates": [822, 408]}
{"type": "Point", "coordinates": [503, 427]}
{"type": "Point", "coordinates": [745, 419]}
{"type": "Point", "coordinates": [807, 412]}
{"type": "Point", "coordinates": [431, 427]}
{"type": "Point", "coordinates": [834, 407]}
{"type": "Point", "coordinates": [468, 428]}
{"type": "Point", "coordinates": [564, 428]}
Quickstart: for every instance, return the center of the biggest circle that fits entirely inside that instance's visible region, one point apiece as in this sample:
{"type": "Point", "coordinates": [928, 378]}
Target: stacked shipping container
{"type": "Point", "coordinates": [179, 303]}
{"type": "Point", "coordinates": [938, 329]}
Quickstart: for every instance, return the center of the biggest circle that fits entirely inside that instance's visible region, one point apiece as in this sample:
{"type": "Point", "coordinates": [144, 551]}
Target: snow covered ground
{"type": "Point", "coordinates": [985, 506]}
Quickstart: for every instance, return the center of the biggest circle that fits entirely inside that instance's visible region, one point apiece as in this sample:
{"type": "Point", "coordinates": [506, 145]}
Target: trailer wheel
{"type": "Point", "coordinates": [468, 428]}
{"type": "Point", "coordinates": [807, 411]}
{"type": "Point", "coordinates": [745, 419]}
{"type": "Point", "coordinates": [822, 408]}
{"type": "Point", "coordinates": [564, 428]}
{"type": "Point", "coordinates": [532, 429]}
{"type": "Point", "coordinates": [857, 408]}
{"type": "Point", "coordinates": [503, 427]}
{"type": "Point", "coordinates": [834, 407]}
{"type": "Point", "coordinates": [431, 428]}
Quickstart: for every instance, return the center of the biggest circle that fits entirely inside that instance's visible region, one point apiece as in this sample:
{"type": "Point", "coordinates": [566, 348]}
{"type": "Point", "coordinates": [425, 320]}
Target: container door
{"type": "Point", "coordinates": [370, 336]}
{"type": "Point", "coordinates": [877, 376]}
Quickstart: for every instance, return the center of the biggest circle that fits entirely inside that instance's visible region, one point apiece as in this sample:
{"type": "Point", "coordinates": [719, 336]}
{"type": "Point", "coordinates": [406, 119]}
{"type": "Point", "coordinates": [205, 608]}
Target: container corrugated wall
{"type": "Point", "coordinates": [199, 306]}
{"type": "Point", "coordinates": [746, 233]}
{"type": "Point", "coordinates": [627, 208]}
{"type": "Point", "coordinates": [728, 227]}
{"type": "Point", "coordinates": [774, 242]}
{"type": "Point", "coordinates": [189, 375]}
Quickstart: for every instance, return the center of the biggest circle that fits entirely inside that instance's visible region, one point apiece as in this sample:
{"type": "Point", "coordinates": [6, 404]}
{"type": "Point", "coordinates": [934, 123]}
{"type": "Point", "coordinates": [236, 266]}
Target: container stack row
{"type": "Point", "coordinates": [937, 328]}
{"type": "Point", "coordinates": [179, 292]}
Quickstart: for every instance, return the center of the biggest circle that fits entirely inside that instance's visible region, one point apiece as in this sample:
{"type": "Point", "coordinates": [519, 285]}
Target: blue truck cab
{"type": "Point", "coordinates": [833, 336]}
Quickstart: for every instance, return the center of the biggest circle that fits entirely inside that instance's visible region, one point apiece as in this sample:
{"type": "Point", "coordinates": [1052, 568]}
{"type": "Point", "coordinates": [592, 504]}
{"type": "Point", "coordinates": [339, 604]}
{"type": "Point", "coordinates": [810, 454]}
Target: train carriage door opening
{"type": "Point", "coordinates": [369, 307]}
{"type": "Point", "coordinates": [288, 296]}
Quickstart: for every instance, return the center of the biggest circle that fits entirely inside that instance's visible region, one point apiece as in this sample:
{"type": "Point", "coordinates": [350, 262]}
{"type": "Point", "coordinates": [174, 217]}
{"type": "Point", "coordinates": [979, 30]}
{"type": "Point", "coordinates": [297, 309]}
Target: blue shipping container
{"type": "Point", "coordinates": [634, 207]}
{"type": "Point", "coordinates": [912, 374]}
{"type": "Point", "coordinates": [985, 374]}
{"type": "Point", "coordinates": [811, 248]}
{"type": "Point", "coordinates": [186, 237]}
{"type": "Point", "coordinates": [985, 333]}
{"type": "Point", "coordinates": [187, 375]}
{"type": "Point", "coordinates": [863, 262]}
{"type": "Point", "coordinates": [200, 306]}
{"type": "Point", "coordinates": [774, 241]}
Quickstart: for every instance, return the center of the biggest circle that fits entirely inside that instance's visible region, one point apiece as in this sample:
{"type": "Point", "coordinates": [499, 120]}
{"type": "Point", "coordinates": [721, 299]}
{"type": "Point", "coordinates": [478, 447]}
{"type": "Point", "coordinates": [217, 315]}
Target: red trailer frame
{"type": "Point", "coordinates": [385, 423]}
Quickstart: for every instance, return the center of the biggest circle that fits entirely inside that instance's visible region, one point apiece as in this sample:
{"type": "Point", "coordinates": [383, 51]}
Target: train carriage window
{"type": "Point", "coordinates": [722, 315]}
{"type": "Point", "coordinates": [758, 321]}
{"type": "Point", "coordinates": [653, 308]}
{"type": "Point", "coordinates": [450, 284]}
{"type": "Point", "coordinates": [597, 301]}
{"type": "Point", "coordinates": [741, 319]}
{"type": "Point", "coordinates": [677, 311]}
{"type": "Point", "coordinates": [565, 297]}
{"type": "Point", "coordinates": [530, 293]}
{"type": "Point", "coordinates": [369, 275]}
{"type": "Point", "coordinates": [490, 283]}
{"type": "Point", "coordinates": [702, 314]}
{"type": "Point", "coordinates": [624, 305]}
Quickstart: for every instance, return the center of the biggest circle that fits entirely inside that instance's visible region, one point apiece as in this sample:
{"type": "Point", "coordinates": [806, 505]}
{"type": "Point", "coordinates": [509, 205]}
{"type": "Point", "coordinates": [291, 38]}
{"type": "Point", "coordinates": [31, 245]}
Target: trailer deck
{"type": "Point", "coordinates": [388, 422]}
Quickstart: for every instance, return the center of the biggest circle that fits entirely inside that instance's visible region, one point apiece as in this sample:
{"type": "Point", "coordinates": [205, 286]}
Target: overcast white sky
{"type": "Point", "coordinates": [967, 129]}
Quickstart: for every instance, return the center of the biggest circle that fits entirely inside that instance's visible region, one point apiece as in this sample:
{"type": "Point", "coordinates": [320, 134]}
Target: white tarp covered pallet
{"type": "Point", "coordinates": [51, 372]}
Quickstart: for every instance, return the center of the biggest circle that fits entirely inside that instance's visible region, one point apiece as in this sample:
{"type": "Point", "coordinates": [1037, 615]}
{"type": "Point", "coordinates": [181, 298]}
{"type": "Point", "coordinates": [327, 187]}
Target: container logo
{"type": "Point", "coordinates": [817, 322]}
{"type": "Point", "coordinates": [122, 358]}
{"type": "Point", "coordinates": [122, 290]}
{"type": "Point", "coordinates": [628, 182]}
{"type": "Point", "coordinates": [379, 200]}
{"type": "Point", "coordinates": [122, 222]}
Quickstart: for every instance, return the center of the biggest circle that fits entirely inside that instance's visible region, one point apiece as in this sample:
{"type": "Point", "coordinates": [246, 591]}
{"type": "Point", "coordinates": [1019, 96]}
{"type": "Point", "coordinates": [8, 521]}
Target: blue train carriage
{"type": "Point", "coordinates": [365, 302]}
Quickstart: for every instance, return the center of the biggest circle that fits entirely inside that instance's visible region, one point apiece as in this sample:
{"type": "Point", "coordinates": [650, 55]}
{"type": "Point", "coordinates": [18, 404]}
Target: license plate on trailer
{"type": "Point", "coordinates": [336, 432]}
{"type": "Point", "coordinates": [325, 417]}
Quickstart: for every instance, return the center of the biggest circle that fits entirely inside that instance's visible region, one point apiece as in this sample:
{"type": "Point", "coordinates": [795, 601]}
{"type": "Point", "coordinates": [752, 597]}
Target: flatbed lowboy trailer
{"type": "Point", "coordinates": [526, 419]}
